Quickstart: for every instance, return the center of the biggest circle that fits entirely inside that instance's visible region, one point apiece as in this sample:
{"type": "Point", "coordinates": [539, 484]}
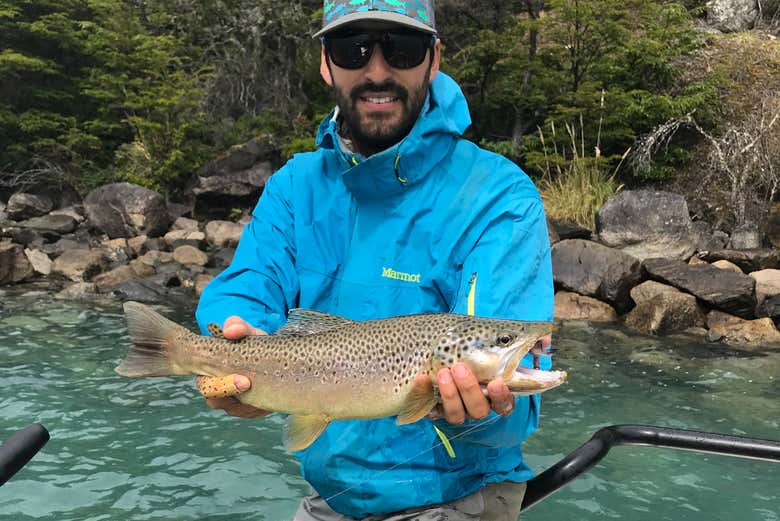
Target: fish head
{"type": "Point", "coordinates": [491, 348]}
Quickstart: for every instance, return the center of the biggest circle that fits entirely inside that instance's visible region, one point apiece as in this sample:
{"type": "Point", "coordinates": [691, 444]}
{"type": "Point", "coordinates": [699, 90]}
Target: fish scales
{"type": "Point", "coordinates": [321, 368]}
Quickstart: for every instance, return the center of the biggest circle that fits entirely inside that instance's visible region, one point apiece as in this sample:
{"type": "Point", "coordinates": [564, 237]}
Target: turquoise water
{"type": "Point", "coordinates": [150, 449]}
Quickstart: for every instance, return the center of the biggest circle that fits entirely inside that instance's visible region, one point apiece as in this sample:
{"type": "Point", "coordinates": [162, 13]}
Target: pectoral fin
{"type": "Point", "coordinates": [418, 403]}
{"type": "Point", "coordinates": [303, 430]}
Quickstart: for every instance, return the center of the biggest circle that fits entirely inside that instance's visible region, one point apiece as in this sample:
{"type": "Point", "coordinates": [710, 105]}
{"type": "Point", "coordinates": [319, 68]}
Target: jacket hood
{"type": "Point", "coordinates": [443, 119]}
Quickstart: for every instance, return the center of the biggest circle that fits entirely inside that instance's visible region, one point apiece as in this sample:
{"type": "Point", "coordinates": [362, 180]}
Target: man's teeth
{"type": "Point", "coordinates": [381, 100]}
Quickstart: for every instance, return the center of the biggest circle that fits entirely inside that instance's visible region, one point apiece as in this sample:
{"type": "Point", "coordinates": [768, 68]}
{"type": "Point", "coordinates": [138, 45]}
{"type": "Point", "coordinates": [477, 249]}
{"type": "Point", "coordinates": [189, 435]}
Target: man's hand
{"type": "Point", "coordinates": [462, 396]}
{"type": "Point", "coordinates": [219, 391]}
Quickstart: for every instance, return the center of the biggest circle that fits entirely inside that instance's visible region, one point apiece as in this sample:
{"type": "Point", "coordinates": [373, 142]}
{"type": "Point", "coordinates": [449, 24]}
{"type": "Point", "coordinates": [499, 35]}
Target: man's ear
{"type": "Point", "coordinates": [324, 69]}
{"type": "Point", "coordinates": [436, 62]}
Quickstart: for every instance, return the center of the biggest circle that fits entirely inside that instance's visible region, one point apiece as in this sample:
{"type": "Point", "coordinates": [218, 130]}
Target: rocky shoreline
{"type": "Point", "coordinates": [647, 266]}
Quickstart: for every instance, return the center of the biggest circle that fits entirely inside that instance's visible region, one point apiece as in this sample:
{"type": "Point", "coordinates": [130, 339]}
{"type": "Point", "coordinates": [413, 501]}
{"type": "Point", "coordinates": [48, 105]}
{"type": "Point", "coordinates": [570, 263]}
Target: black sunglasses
{"type": "Point", "coordinates": [401, 49]}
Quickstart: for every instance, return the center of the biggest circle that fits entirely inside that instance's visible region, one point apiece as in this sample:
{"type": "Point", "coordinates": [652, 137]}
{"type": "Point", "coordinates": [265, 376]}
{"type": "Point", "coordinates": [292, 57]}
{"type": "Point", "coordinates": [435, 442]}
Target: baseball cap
{"type": "Point", "coordinates": [415, 14]}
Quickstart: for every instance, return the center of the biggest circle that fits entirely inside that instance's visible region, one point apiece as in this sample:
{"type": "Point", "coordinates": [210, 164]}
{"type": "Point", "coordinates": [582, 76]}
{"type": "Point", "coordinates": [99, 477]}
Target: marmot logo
{"type": "Point", "coordinates": [390, 273]}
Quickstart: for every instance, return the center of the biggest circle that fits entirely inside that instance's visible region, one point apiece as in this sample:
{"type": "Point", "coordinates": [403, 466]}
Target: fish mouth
{"type": "Point", "coordinates": [510, 359]}
{"type": "Point", "coordinates": [525, 381]}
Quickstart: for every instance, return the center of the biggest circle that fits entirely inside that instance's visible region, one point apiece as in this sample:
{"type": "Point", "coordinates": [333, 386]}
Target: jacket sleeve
{"type": "Point", "coordinates": [510, 272]}
{"type": "Point", "coordinates": [261, 283]}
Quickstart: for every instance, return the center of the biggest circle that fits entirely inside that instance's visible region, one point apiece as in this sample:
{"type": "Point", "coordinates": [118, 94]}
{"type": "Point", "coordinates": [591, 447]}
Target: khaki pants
{"type": "Point", "coordinates": [494, 502]}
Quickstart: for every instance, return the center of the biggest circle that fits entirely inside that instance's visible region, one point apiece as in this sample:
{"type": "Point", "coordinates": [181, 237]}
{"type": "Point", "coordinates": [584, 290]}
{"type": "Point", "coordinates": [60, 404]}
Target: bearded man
{"type": "Point", "coordinates": [394, 189]}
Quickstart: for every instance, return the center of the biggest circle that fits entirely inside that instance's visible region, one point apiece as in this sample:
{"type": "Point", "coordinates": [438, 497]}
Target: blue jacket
{"type": "Point", "coordinates": [336, 232]}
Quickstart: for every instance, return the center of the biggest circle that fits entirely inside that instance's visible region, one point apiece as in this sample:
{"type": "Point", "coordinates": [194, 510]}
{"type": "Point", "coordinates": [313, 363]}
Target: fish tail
{"type": "Point", "coordinates": [152, 336]}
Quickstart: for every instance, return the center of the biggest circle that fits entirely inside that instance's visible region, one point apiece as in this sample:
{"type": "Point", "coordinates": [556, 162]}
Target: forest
{"type": "Point", "coordinates": [587, 96]}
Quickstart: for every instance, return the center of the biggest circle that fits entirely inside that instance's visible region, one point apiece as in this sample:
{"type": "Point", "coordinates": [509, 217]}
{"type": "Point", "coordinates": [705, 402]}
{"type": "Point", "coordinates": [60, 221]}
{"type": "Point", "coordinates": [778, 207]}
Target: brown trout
{"type": "Point", "coordinates": [321, 367]}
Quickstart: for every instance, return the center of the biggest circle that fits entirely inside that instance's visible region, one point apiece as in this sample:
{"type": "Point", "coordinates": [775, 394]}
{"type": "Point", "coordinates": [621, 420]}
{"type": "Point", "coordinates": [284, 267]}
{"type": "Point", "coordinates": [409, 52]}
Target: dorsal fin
{"type": "Point", "coordinates": [302, 322]}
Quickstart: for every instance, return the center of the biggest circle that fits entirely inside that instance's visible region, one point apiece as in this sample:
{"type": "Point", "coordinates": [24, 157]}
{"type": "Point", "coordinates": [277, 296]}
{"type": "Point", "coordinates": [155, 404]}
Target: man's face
{"type": "Point", "coordinates": [380, 103]}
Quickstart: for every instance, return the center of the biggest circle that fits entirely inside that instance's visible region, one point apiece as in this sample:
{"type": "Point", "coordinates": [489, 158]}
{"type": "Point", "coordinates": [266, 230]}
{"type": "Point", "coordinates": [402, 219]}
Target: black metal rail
{"type": "Point", "coordinates": [20, 448]}
{"type": "Point", "coordinates": [594, 450]}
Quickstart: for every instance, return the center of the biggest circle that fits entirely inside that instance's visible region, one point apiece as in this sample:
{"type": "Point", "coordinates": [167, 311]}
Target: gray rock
{"type": "Point", "coordinates": [80, 265]}
{"type": "Point", "coordinates": [647, 224]}
{"type": "Point", "coordinates": [567, 230]}
{"type": "Point", "coordinates": [188, 255]}
{"type": "Point", "coordinates": [223, 257]}
{"type": "Point", "coordinates": [750, 334]}
{"type": "Point", "coordinates": [650, 289]}
{"type": "Point", "coordinates": [769, 308]}
{"type": "Point", "coordinates": [24, 206]}
{"type": "Point", "coordinates": [748, 260]}
{"type": "Point", "coordinates": [78, 291]}
{"type": "Point", "coordinates": [223, 234]}
{"type": "Point", "coordinates": [241, 157]}
{"type": "Point", "coordinates": [732, 15]}
{"type": "Point", "coordinates": [667, 312]}
{"type": "Point", "coordinates": [75, 212]}
{"type": "Point", "coordinates": [571, 306]}
{"type": "Point", "coordinates": [709, 239]}
{"type": "Point", "coordinates": [141, 291]}
{"type": "Point", "coordinates": [57, 223]}
{"type": "Point", "coordinates": [594, 270]}
{"type": "Point", "coordinates": [745, 237]}
{"type": "Point", "coordinates": [176, 238]}
{"type": "Point", "coordinates": [127, 210]}
{"type": "Point", "coordinates": [183, 223]}
{"type": "Point", "coordinates": [40, 262]}
{"type": "Point", "coordinates": [722, 289]}
{"type": "Point", "coordinates": [552, 234]}
{"type": "Point", "coordinates": [14, 266]}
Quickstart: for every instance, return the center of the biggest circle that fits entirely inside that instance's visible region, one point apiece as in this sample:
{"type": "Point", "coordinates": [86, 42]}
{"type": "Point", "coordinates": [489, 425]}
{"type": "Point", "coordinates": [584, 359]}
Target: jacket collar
{"type": "Point", "coordinates": [443, 118]}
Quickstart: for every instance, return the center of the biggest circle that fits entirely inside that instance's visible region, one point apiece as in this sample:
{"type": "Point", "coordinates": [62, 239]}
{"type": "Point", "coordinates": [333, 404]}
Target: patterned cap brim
{"type": "Point", "coordinates": [376, 16]}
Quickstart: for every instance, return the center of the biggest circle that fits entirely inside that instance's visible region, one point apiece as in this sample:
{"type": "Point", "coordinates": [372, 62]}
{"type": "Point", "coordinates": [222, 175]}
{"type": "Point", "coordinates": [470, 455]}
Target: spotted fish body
{"type": "Point", "coordinates": [321, 368]}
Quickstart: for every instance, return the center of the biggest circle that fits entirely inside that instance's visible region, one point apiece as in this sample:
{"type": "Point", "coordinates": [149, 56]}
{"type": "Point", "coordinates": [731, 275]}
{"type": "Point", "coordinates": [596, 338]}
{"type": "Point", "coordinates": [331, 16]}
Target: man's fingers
{"type": "Point", "coordinates": [476, 404]}
{"type": "Point", "coordinates": [450, 397]}
{"type": "Point", "coordinates": [501, 400]}
{"type": "Point", "coordinates": [222, 386]}
{"type": "Point", "coordinates": [236, 328]}
{"type": "Point", "coordinates": [235, 408]}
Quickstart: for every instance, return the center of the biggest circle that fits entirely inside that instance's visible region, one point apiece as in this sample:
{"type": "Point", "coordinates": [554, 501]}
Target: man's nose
{"type": "Point", "coordinates": [377, 69]}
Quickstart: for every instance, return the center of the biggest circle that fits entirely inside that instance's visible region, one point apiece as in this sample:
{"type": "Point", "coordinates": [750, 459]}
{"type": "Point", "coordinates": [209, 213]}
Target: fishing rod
{"type": "Point", "coordinates": [594, 450]}
{"type": "Point", "coordinates": [20, 448]}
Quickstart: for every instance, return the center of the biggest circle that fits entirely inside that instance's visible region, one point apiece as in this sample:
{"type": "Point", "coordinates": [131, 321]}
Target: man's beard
{"type": "Point", "coordinates": [378, 133]}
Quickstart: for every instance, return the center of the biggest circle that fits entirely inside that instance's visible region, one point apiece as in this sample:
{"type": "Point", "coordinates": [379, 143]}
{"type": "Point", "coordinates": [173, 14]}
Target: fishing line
{"type": "Point", "coordinates": [475, 428]}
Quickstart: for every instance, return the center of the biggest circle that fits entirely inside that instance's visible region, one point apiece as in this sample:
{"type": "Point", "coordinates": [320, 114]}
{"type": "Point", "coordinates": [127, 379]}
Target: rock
{"type": "Point", "coordinates": [722, 289]}
{"type": "Point", "coordinates": [23, 236]}
{"type": "Point", "coordinates": [647, 224]}
{"type": "Point", "coordinates": [650, 289]}
{"type": "Point", "coordinates": [571, 306]}
{"type": "Point", "coordinates": [727, 265]}
{"type": "Point", "coordinates": [695, 260]}
{"type": "Point", "coordinates": [14, 266]}
{"type": "Point", "coordinates": [188, 255]}
{"type": "Point", "coordinates": [773, 227]}
{"type": "Point", "coordinates": [182, 223]}
{"type": "Point", "coordinates": [114, 278]}
{"type": "Point", "coordinates": [241, 157]}
{"type": "Point", "coordinates": [223, 233]}
{"type": "Point", "coordinates": [178, 238]}
{"type": "Point", "coordinates": [594, 270]}
{"type": "Point", "coordinates": [158, 243]}
{"type": "Point", "coordinates": [567, 230]}
{"type": "Point", "coordinates": [708, 239]}
{"type": "Point", "coordinates": [3, 213]}
{"type": "Point", "coordinates": [138, 245]}
{"type": "Point", "coordinates": [57, 223]}
{"type": "Point", "coordinates": [127, 210]}
{"type": "Point", "coordinates": [748, 260]}
{"type": "Point", "coordinates": [76, 213]}
{"type": "Point", "coordinates": [141, 269]}
{"type": "Point", "coordinates": [80, 265]}
{"type": "Point", "coordinates": [116, 251]}
{"type": "Point", "coordinates": [665, 313]}
{"type": "Point", "coordinates": [24, 206]}
{"type": "Point", "coordinates": [141, 291]}
{"type": "Point", "coordinates": [767, 284]}
{"type": "Point", "coordinates": [755, 334]}
{"type": "Point", "coordinates": [732, 16]}
{"type": "Point", "coordinates": [770, 308]}
{"type": "Point", "coordinates": [745, 237]}
{"type": "Point", "coordinates": [78, 291]}
{"type": "Point", "coordinates": [201, 281]}
{"type": "Point", "coordinates": [58, 248]}
{"type": "Point", "coordinates": [223, 257]}
{"type": "Point", "coordinates": [156, 258]}
{"type": "Point", "coordinates": [552, 234]}
{"type": "Point", "coordinates": [39, 261]}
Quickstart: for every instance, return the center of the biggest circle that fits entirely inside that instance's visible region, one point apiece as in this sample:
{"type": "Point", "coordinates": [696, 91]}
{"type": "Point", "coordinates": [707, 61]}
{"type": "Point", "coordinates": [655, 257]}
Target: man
{"type": "Point", "coordinates": [396, 214]}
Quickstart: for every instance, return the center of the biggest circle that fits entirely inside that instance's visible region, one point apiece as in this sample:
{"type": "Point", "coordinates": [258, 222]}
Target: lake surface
{"type": "Point", "coordinates": [151, 450]}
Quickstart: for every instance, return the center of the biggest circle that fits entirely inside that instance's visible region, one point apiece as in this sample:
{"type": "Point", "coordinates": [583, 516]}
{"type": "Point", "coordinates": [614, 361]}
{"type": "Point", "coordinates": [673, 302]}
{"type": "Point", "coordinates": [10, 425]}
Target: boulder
{"type": "Point", "coordinates": [141, 269]}
{"type": "Point", "coordinates": [223, 234]}
{"type": "Point", "coordinates": [667, 312]}
{"type": "Point", "coordinates": [568, 230]}
{"type": "Point", "coordinates": [23, 206]}
{"type": "Point", "coordinates": [751, 334]}
{"type": "Point", "coordinates": [223, 257]}
{"type": "Point", "coordinates": [138, 245]}
{"type": "Point", "coordinates": [727, 265]}
{"type": "Point", "coordinates": [647, 224]}
{"type": "Point", "coordinates": [732, 16]}
{"type": "Point", "coordinates": [183, 223]}
{"type": "Point", "coordinates": [650, 289]}
{"type": "Point", "coordinates": [188, 255]}
{"type": "Point", "coordinates": [767, 284]}
{"type": "Point", "coordinates": [593, 270]}
{"type": "Point", "coordinates": [39, 261]}
{"type": "Point", "coordinates": [116, 251]}
{"type": "Point", "coordinates": [80, 265]}
{"type": "Point", "coordinates": [571, 306]}
{"type": "Point", "coordinates": [722, 289]}
{"type": "Point", "coordinates": [58, 223]}
{"type": "Point", "coordinates": [552, 234]}
{"type": "Point", "coordinates": [111, 279]}
{"type": "Point", "coordinates": [78, 291]}
{"type": "Point", "coordinates": [773, 227]}
{"type": "Point", "coordinates": [127, 210]}
{"type": "Point", "coordinates": [75, 212]}
{"type": "Point", "coordinates": [770, 308]}
{"type": "Point", "coordinates": [709, 239]}
{"type": "Point", "coordinates": [748, 260]}
{"type": "Point", "coordinates": [745, 237]}
{"type": "Point", "coordinates": [14, 266]}
{"type": "Point", "coordinates": [177, 238]}
{"type": "Point", "coordinates": [139, 290]}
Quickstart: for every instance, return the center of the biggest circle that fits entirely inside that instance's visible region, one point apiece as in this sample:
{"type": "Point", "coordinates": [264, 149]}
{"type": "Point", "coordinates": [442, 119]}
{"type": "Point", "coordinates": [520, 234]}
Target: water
{"type": "Point", "coordinates": [150, 449]}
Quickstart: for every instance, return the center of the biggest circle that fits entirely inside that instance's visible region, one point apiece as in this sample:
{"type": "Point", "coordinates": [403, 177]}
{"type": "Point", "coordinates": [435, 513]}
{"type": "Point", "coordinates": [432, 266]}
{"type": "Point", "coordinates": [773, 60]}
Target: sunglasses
{"type": "Point", "coordinates": [401, 49]}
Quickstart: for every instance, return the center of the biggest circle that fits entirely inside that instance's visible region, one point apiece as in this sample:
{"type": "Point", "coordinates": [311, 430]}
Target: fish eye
{"type": "Point", "coordinates": [505, 340]}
